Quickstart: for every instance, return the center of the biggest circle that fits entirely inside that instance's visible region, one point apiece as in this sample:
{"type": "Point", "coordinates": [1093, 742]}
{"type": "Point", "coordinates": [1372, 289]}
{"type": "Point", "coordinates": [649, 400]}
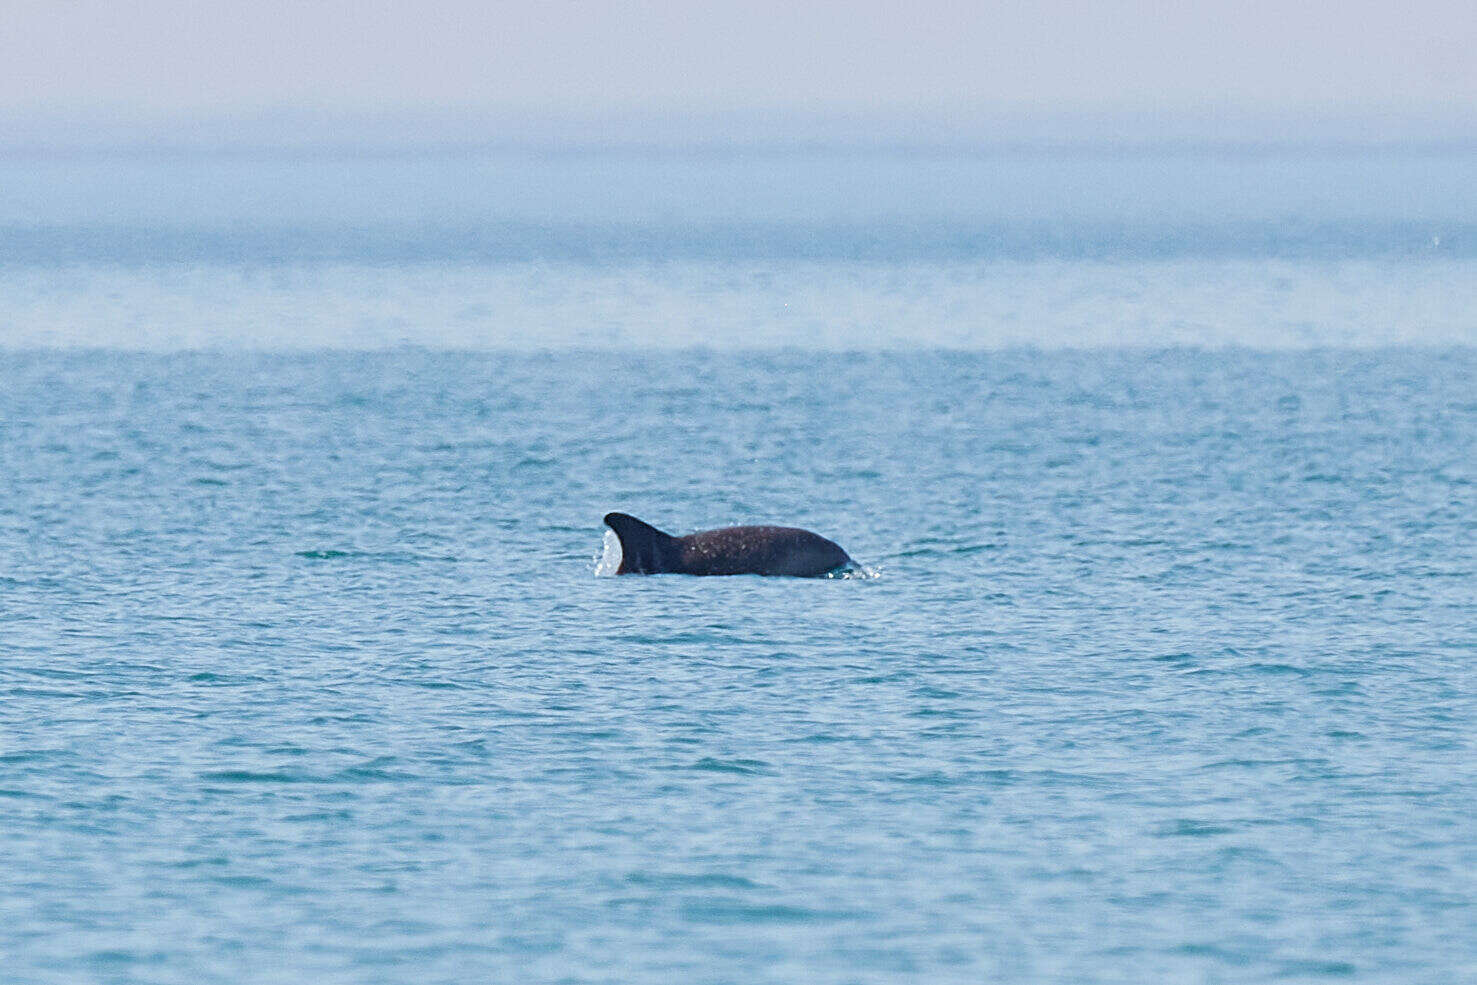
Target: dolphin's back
{"type": "Point", "coordinates": [760, 551]}
{"type": "Point", "coordinates": [789, 551]}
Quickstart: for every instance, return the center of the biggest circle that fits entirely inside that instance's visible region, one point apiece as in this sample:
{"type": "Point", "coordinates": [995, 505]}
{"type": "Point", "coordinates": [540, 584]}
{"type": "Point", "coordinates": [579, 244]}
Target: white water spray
{"type": "Point", "coordinates": [609, 561]}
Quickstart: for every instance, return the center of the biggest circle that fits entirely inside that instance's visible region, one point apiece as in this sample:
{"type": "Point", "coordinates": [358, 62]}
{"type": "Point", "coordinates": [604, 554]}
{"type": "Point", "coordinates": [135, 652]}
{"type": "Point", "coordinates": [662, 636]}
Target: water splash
{"type": "Point", "coordinates": [609, 561]}
{"type": "Point", "coordinates": [856, 571]}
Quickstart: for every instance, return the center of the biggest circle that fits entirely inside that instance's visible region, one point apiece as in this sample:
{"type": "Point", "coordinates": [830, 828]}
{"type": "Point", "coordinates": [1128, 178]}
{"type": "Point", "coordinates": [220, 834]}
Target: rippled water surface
{"type": "Point", "coordinates": [1166, 462]}
{"type": "Point", "coordinates": [305, 673]}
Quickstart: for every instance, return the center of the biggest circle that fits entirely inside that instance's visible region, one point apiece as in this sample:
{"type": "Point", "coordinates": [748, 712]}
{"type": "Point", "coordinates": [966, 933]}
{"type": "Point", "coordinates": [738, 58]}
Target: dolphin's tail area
{"type": "Point", "coordinates": [645, 550]}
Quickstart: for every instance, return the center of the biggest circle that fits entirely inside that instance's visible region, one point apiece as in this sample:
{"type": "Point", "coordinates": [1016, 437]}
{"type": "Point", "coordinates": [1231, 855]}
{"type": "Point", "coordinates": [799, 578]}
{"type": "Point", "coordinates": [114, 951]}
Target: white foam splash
{"type": "Point", "coordinates": [856, 571]}
{"type": "Point", "coordinates": [609, 561]}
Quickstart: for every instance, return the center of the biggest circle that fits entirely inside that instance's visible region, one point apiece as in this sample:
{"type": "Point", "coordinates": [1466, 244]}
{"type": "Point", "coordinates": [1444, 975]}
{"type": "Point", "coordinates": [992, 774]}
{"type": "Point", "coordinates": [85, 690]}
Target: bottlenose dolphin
{"type": "Point", "coordinates": [645, 550]}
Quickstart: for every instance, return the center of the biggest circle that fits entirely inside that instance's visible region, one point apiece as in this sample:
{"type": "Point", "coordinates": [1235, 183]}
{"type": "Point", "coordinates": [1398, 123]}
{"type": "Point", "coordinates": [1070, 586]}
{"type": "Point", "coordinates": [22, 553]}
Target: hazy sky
{"type": "Point", "coordinates": [559, 56]}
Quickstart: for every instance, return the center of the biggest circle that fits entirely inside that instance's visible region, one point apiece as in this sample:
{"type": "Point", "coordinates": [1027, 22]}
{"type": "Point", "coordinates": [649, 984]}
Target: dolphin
{"type": "Point", "coordinates": [645, 550]}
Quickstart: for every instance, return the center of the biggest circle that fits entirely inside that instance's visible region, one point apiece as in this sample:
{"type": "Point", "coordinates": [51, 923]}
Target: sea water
{"type": "Point", "coordinates": [1166, 467]}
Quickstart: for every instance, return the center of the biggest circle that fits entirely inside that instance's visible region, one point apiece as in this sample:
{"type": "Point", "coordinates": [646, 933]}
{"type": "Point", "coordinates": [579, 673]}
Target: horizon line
{"type": "Point", "coordinates": [451, 130]}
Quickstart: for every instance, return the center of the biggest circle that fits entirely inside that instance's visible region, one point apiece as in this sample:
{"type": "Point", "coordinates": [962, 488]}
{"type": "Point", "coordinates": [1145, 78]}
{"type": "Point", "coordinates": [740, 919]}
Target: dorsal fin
{"type": "Point", "coordinates": [645, 550]}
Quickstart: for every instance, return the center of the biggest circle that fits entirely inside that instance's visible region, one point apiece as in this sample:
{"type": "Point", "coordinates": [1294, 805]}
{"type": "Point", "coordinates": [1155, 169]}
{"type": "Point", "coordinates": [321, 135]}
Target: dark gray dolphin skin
{"type": "Point", "coordinates": [645, 550]}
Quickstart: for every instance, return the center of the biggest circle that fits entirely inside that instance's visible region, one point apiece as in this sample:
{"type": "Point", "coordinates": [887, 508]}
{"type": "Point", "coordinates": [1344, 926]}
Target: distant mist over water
{"type": "Point", "coordinates": [831, 249]}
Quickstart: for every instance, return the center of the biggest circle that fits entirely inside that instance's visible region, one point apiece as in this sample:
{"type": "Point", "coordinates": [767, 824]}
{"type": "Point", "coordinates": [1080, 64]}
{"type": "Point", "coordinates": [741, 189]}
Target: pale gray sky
{"type": "Point", "coordinates": [66, 57]}
{"type": "Point", "coordinates": [173, 54]}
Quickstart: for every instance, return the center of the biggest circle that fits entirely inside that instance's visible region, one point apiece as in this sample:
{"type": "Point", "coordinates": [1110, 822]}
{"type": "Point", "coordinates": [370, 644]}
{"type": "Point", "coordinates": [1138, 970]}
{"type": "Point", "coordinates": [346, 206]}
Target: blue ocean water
{"type": "Point", "coordinates": [1167, 673]}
